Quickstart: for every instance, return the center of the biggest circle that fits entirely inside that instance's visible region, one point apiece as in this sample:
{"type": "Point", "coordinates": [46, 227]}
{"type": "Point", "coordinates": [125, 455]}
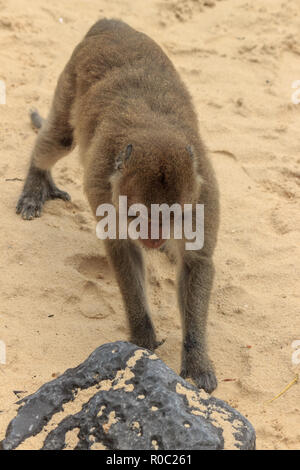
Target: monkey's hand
{"type": "Point", "coordinates": [203, 375]}
{"type": "Point", "coordinates": [39, 187]}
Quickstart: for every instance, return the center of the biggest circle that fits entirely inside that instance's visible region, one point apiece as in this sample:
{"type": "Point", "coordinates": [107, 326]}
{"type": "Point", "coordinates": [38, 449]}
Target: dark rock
{"type": "Point", "coordinates": [124, 397]}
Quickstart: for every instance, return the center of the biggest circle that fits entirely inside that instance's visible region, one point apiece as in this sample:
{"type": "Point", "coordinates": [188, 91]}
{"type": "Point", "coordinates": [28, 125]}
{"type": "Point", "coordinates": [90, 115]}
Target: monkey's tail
{"type": "Point", "coordinates": [36, 119]}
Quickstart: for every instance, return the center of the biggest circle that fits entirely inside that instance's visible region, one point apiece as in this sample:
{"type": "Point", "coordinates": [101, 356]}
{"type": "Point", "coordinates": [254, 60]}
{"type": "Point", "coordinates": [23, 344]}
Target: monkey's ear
{"type": "Point", "coordinates": [190, 150]}
{"type": "Point", "coordinates": [123, 157]}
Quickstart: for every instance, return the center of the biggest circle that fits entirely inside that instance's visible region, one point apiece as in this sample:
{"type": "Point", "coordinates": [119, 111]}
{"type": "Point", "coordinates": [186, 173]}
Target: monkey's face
{"type": "Point", "coordinates": [162, 177]}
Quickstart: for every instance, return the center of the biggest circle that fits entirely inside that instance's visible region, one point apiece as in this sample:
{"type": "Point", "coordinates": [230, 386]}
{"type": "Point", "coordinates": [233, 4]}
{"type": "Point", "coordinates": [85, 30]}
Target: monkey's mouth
{"type": "Point", "coordinates": [149, 243]}
{"type": "Point", "coordinates": [153, 242]}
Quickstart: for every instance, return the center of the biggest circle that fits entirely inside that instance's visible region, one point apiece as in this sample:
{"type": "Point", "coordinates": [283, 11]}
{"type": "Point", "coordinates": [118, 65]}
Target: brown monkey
{"type": "Point", "coordinates": [121, 100]}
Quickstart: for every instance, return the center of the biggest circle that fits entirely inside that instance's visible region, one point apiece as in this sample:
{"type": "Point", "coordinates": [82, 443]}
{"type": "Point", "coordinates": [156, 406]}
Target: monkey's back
{"type": "Point", "coordinates": [116, 65]}
{"type": "Point", "coordinates": [113, 46]}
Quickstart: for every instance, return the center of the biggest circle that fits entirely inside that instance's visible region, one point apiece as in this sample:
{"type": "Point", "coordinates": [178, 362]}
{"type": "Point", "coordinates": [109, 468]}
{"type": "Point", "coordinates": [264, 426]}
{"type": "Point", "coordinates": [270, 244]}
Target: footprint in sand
{"type": "Point", "coordinates": [283, 182]}
{"type": "Point", "coordinates": [91, 266]}
{"type": "Point", "coordinates": [95, 300]}
{"type": "Point", "coordinates": [232, 300]}
{"type": "Point", "coordinates": [285, 219]}
{"type": "Point", "coordinates": [184, 10]}
{"type": "Point", "coordinates": [97, 295]}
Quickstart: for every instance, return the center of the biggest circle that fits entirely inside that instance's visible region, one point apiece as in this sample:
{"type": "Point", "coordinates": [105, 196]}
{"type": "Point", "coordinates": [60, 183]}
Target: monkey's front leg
{"type": "Point", "coordinates": [127, 260]}
{"type": "Point", "coordinates": [195, 282]}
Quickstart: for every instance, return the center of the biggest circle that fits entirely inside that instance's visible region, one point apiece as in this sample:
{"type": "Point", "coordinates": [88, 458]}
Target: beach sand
{"type": "Point", "coordinates": [59, 299]}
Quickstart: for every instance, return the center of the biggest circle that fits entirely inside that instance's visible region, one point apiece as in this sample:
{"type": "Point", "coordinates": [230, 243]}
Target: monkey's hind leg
{"type": "Point", "coordinates": [54, 141]}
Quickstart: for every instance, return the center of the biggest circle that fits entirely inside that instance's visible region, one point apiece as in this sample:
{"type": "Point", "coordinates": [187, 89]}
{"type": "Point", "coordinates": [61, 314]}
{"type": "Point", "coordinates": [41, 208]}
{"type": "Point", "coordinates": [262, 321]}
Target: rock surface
{"type": "Point", "coordinates": [124, 397]}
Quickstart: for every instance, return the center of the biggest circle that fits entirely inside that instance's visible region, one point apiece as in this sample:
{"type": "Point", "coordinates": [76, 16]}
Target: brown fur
{"type": "Point", "coordinates": [118, 95]}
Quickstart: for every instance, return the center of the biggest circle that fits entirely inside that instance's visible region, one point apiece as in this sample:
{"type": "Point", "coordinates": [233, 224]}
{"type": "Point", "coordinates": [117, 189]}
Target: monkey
{"type": "Point", "coordinates": [121, 100]}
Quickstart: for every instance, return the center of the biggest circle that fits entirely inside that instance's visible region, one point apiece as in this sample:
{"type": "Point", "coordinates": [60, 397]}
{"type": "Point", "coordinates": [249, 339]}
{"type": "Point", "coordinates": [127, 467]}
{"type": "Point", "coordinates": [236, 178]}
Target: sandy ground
{"type": "Point", "coordinates": [59, 299]}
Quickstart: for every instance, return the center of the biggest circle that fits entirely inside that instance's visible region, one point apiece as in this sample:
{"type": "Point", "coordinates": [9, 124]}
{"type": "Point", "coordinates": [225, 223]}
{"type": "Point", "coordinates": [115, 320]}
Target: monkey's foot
{"type": "Point", "coordinates": [203, 379]}
{"type": "Point", "coordinates": [35, 194]}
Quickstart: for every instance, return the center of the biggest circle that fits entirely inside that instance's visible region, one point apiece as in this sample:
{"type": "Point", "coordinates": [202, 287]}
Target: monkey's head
{"type": "Point", "coordinates": [155, 171]}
